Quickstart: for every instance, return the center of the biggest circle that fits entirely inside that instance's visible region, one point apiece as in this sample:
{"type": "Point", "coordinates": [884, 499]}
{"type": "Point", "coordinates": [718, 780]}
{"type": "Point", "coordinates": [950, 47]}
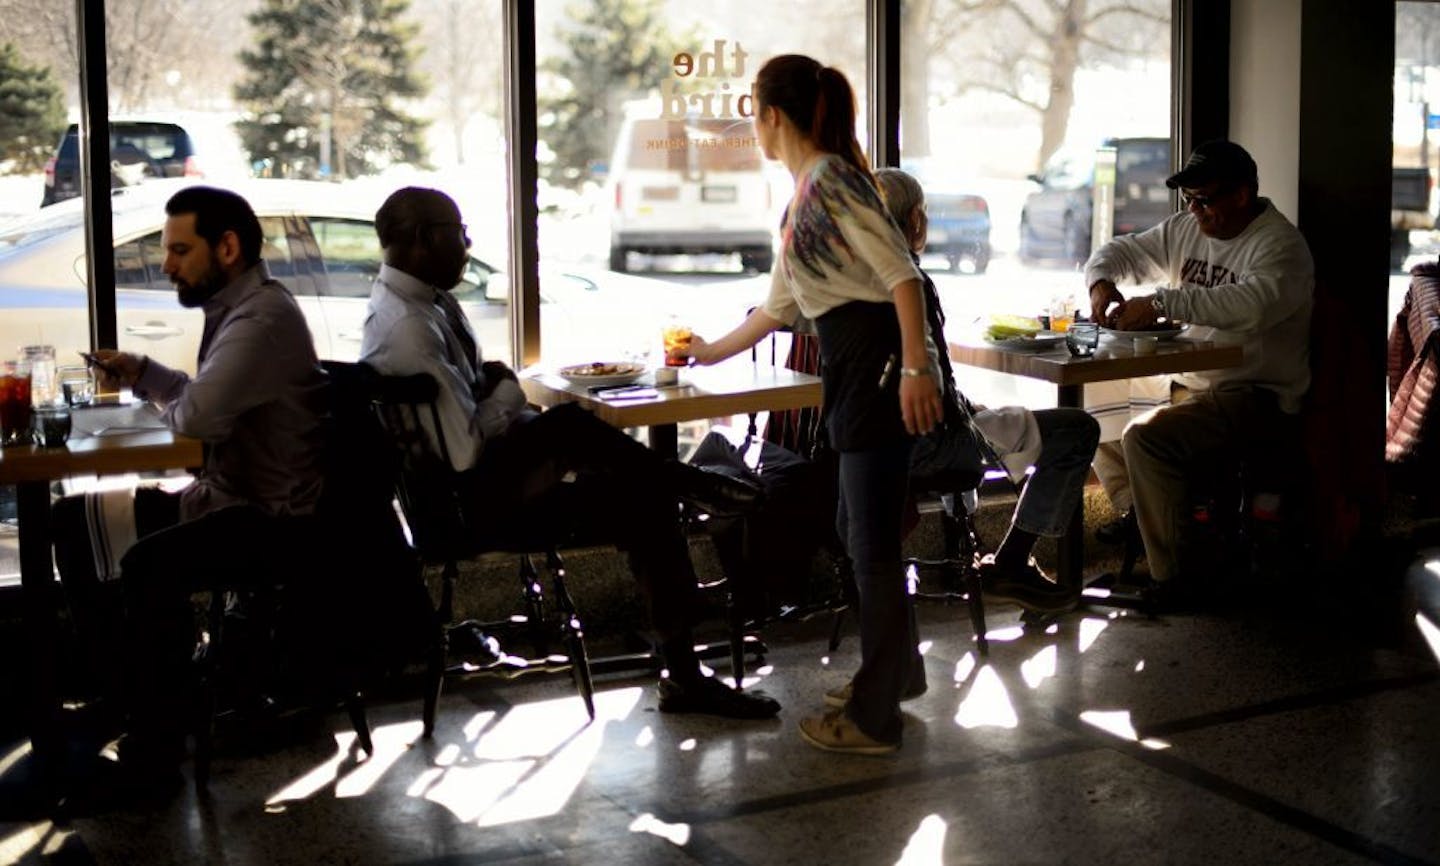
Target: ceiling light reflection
{"type": "Point", "coordinates": [927, 844]}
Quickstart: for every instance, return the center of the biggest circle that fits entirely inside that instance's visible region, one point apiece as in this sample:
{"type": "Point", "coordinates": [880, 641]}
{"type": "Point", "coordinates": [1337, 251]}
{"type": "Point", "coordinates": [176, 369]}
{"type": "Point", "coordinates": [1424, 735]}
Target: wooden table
{"type": "Point", "coordinates": [31, 469]}
{"type": "Point", "coordinates": [735, 387]}
{"type": "Point", "coordinates": [1115, 359]}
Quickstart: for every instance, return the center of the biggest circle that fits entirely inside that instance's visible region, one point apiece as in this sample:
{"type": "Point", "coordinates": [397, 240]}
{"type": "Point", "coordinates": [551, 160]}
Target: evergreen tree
{"type": "Point", "coordinates": [616, 50]}
{"type": "Point", "coordinates": [32, 113]}
{"type": "Point", "coordinates": [331, 70]}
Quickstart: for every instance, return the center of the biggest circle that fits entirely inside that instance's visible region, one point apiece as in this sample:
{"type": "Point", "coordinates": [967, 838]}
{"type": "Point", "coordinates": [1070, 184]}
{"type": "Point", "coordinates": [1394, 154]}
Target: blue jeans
{"type": "Point", "coordinates": [873, 486]}
{"type": "Point", "coordinates": [1068, 438]}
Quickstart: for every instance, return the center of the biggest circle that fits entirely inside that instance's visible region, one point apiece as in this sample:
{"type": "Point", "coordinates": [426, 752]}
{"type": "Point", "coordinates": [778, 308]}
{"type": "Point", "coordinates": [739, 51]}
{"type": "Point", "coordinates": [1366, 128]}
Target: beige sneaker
{"type": "Point", "coordinates": [840, 696]}
{"type": "Point", "coordinates": [834, 732]}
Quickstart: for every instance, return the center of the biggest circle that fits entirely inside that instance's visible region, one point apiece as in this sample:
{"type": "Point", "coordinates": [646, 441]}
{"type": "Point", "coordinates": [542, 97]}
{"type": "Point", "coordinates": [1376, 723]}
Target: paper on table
{"type": "Point", "coordinates": [114, 420]}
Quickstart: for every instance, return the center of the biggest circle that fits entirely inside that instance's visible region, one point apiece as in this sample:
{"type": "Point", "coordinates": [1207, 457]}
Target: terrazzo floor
{"type": "Point", "coordinates": [1274, 733]}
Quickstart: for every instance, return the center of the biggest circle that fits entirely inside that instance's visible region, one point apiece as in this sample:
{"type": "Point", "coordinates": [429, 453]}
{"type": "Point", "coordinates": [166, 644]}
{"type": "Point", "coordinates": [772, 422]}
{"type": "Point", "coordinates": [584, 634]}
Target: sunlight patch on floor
{"type": "Point", "coordinates": [675, 834]}
{"type": "Point", "coordinates": [987, 704]}
{"type": "Point", "coordinates": [927, 844]}
{"type": "Point", "coordinates": [1430, 632]}
{"type": "Point", "coordinates": [1117, 723]}
{"type": "Point", "coordinates": [1039, 667]}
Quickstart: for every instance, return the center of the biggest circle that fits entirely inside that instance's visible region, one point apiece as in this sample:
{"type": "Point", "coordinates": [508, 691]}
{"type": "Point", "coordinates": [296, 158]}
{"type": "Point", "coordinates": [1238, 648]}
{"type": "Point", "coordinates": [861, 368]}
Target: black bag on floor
{"type": "Point", "coordinates": [769, 553]}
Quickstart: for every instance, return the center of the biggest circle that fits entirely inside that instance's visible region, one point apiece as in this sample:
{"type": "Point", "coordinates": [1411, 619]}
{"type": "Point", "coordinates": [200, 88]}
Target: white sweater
{"type": "Point", "coordinates": [1255, 290]}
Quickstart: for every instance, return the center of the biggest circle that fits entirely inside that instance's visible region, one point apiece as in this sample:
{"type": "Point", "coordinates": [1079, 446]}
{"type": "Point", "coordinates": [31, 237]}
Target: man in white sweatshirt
{"type": "Point", "coordinates": [1240, 274]}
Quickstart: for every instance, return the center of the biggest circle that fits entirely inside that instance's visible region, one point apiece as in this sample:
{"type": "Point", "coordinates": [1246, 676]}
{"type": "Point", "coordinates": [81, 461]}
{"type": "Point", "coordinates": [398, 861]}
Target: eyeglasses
{"type": "Point", "coordinates": [1200, 201]}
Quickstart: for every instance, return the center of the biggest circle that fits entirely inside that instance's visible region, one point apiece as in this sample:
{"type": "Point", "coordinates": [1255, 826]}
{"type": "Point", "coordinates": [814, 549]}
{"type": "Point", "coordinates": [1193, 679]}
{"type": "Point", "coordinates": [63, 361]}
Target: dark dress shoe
{"type": "Point", "coordinates": [710, 696]}
{"type": "Point", "coordinates": [715, 493]}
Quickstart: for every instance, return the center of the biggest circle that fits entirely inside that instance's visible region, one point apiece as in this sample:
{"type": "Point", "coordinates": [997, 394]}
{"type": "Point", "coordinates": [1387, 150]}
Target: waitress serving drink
{"type": "Point", "coordinates": [844, 264]}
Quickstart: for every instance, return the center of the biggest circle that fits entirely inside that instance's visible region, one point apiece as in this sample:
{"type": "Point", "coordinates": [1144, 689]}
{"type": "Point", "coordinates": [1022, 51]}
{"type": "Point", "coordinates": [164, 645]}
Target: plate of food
{"type": "Point", "coordinates": [1036, 342]}
{"type": "Point", "coordinates": [597, 373]}
{"type": "Point", "coordinates": [1161, 331]}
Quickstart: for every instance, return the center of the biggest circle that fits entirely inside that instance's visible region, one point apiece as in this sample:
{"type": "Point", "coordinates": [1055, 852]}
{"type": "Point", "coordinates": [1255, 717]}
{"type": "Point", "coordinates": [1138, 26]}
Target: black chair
{"type": "Point", "coordinates": [343, 598]}
{"type": "Point", "coordinates": [430, 497]}
{"type": "Point", "coordinates": [799, 430]}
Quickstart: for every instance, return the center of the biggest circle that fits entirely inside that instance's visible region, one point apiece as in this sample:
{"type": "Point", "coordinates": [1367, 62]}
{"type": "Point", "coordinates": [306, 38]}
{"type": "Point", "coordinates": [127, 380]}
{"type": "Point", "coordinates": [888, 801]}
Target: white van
{"type": "Point", "coordinates": [688, 186]}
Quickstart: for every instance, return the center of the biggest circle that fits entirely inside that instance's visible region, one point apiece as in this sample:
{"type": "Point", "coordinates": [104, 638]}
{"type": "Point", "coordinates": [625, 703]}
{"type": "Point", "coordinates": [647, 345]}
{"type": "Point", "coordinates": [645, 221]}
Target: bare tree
{"type": "Point", "coordinates": [146, 40]}
{"type": "Point", "coordinates": [1026, 50]}
{"type": "Point", "coordinates": [465, 70]}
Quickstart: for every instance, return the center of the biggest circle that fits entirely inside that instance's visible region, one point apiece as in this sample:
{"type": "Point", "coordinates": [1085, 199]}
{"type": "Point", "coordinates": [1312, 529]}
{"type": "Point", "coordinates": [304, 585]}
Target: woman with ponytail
{"type": "Point", "coordinates": [845, 265]}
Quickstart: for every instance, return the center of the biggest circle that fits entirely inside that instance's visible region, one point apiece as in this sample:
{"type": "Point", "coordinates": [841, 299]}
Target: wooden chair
{"type": "Point", "coordinates": [429, 493]}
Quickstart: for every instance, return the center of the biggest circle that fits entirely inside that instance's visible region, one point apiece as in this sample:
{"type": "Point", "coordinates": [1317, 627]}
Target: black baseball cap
{"type": "Point", "coordinates": [1218, 160]}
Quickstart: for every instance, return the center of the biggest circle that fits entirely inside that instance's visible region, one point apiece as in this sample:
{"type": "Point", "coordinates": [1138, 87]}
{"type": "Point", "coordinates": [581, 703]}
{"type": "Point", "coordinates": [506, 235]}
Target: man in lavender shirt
{"type": "Point", "coordinates": [257, 404]}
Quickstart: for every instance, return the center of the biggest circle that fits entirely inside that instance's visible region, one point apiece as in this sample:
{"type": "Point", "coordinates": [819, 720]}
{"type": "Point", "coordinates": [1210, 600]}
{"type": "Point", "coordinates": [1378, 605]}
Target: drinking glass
{"type": "Point", "coordinates": [43, 387]}
{"type": "Point", "coordinates": [52, 424]}
{"type": "Point", "coordinates": [1081, 338]}
{"type": "Point", "coordinates": [676, 339]}
{"type": "Point", "coordinates": [15, 416]}
{"type": "Point", "coordinates": [77, 385]}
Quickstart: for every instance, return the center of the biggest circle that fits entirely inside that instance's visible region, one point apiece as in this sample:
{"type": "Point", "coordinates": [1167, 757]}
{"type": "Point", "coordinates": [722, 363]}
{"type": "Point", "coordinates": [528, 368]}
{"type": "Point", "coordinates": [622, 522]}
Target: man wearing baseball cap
{"type": "Point", "coordinates": [1236, 270]}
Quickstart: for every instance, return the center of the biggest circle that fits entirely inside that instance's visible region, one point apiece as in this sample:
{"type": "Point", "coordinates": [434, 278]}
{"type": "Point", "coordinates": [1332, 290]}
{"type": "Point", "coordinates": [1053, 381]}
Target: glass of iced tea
{"type": "Point", "coordinates": [15, 413]}
{"type": "Point", "coordinates": [676, 339]}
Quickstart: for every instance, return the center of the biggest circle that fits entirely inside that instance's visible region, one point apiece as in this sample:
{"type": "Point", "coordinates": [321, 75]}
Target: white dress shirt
{"type": "Point", "coordinates": [407, 331]}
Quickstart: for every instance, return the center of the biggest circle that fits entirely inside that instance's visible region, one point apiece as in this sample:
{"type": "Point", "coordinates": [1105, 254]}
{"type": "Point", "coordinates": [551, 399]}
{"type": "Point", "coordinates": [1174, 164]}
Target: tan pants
{"type": "Point", "coordinates": [1164, 447]}
{"type": "Point", "coordinates": [1109, 462]}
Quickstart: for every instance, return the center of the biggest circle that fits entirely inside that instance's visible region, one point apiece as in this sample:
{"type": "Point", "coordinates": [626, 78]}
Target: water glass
{"type": "Point", "coordinates": [43, 387]}
{"type": "Point", "coordinates": [1081, 338]}
{"type": "Point", "coordinates": [77, 385]}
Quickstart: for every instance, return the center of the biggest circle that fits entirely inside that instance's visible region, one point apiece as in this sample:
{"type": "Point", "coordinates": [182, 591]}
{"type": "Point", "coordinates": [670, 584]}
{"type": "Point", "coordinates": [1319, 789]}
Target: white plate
{"type": "Point", "coordinates": [1161, 334]}
{"type": "Point", "coordinates": [600, 373]}
{"type": "Point", "coordinates": [1041, 341]}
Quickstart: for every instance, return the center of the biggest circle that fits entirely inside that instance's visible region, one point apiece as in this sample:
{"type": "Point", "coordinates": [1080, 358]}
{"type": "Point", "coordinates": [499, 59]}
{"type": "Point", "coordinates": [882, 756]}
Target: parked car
{"type": "Point", "coordinates": [1055, 222]}
{"type": "Point", "coordinates": [959, 230]}
{"type": "Point", "coordinates": [320, 241]}
{"type": "Point", "coordinates": [139, 149]}
{"type": "Point", "coordinates": [689, 186]}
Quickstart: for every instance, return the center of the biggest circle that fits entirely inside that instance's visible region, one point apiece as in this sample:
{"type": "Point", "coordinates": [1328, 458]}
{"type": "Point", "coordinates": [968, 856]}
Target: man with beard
{"type": "Point", "coordinates": [256, 401]}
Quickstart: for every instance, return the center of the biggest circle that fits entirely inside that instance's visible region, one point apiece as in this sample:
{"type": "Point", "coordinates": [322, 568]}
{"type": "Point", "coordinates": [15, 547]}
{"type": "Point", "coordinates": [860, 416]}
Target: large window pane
{"type": "Point", "coordinates": [654, 196]}
{"type": "Point", "coordinates": [314, 112]}
{"type": "Point", "coordinates": [1416, 133]}
{"type": "Point", "coordinates": [1006, 111]}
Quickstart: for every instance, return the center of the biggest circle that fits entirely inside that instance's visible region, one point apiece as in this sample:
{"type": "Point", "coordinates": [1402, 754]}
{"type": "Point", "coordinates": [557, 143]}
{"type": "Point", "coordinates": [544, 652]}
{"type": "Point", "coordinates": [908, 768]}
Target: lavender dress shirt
{"type": "Point", "coordinates": [256, 401]}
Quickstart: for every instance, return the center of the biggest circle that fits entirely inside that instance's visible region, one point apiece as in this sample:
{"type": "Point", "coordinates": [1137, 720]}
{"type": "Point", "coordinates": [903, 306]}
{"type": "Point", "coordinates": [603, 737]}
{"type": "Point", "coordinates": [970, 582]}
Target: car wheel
{"type": "Point", "coordinates": [1077, 241]}
{"type": "Point", "coordinates": [1027, 241]}
{"type": "Point", "coordinates": [618, 256]}
{"type": "Point", "coordinates": [982, 262]}
{"type": "Point", "coordinates": [760, 262]}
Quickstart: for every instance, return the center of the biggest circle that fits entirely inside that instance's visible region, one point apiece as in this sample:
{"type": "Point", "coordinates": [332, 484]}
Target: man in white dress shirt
{"type": "Point", "coordinates": [517, 461]}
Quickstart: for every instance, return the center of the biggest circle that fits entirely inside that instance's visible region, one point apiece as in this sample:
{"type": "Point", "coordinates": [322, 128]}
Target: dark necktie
{"type": "Point", "coordinates": [455, 317]}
